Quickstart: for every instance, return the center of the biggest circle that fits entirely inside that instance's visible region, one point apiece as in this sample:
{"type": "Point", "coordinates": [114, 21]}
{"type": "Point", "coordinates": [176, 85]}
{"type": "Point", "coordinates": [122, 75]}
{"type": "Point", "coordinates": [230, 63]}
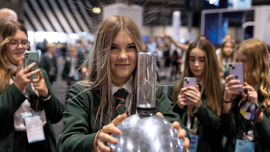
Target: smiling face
{"type": "Point", "coordinates": [15, 52]}
{"type": "Point", "coordinates": [197, 62]}
{"type": "Point", "coordinates": [228, 49]}
{"type": "Point", "coordinates": [123, 58]}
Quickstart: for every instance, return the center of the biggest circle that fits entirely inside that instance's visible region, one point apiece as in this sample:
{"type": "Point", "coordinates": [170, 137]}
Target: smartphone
{"type": "Point", "coordinates": [189, 82]}
{"type": "Point", "coordinates": [29, 58]}
{"type": "Point", "coordinates": [236, 69]}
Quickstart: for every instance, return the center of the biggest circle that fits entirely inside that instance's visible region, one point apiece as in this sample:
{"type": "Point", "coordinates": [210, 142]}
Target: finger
{"type": "Point", "coordinates": [176, 125]}
{"type": "Point", "coordinates": [102, 147]}
{"type": "Point", "coordinates": [32, 73]}
{"type": "Point", "coordinates": [103, 137]}
{"type": "Point", "coordinates": [21, 63]}
{"type": "Point", "coordinates": [233, 87]}
{"type": "Point", "coordinates": [29, 67]}
{"type": "Point", "coordinates": [234, 82]}
{"type": "Point", "coordinates": [159, 114]}
{"type": "Point", "coordinates": [243, 94]}
{"type": "Point", "coordinates": [228, 78]}
{"type": "Point", "coordinates": [35, 81]}
{"type": "Point", "coordinates": [249, 88]}
{"type": "Point", "coordinates": [111, 129]}
{"type": "Point", "coordinates": [186, 142]}
{"type": "Point", "coordinates": [40, 75]}
{"type": "Point", "coordinates": [197, 87]}
{"type": "Point", "coordinates": [183, 90]}
{"type": "Point", "coordinates": [119, 118]}
{"type": "Point", "coordinates": [193, 93]}
{"type": "Point", "coordinates": [192, 100]}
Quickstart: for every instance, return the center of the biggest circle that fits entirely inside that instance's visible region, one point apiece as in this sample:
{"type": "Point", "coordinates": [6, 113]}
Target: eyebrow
{"type": "Point", "coordinates": [128, 44]}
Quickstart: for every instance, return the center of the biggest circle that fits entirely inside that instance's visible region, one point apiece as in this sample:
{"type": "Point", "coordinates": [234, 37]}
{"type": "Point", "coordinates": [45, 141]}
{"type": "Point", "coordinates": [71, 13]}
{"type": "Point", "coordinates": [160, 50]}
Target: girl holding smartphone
{"type": "Point", "coordinates": [253, 54]}
{"type": "Point", "coordinates": [199, 109]}
{"type": "Point", "coordinates": [16, 106]}
{"type": "Point", "coordinates": [92, 114]}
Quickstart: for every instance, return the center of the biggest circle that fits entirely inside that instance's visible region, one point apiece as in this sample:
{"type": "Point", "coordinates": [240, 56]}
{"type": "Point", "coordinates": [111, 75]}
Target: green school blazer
{"type": "Point", "coordinates": [234, 125]}
{"type": "Point", "coordinates": [80, 118]}
{"type": "Point", "coordinates": [209, 130]}
{"type": "Point", "coordinates": [11, 100]}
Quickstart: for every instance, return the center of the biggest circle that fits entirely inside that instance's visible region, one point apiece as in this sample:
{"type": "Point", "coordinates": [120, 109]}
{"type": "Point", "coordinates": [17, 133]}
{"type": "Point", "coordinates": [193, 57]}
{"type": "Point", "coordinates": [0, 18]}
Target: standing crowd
{"type": "Point", "coordinates": [215, 111]}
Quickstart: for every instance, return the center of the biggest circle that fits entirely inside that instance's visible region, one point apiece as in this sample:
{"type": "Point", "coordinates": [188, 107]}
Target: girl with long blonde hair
{"type": "Point", "coordinates": [15, 104]}
{"type": "Point", "coordinates": [92, 103]}
{"type": "Point", "coordinates": [201, 116]}
{"type": "Point", "coordinates": [253, 54]}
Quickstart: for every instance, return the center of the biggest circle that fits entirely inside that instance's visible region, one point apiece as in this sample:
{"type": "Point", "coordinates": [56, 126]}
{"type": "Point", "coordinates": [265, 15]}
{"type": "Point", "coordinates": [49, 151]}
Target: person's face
{"type": "Point", "coordinates": [73, 53]}
{"type": "Point", "coordinates": [123, 57]}
{"type": "Point", "coordinates": [242, 58]}
{"type": "Point", "coordinates": [16, 47]}
{"type": "Point", "coordinates": [228, 49]}
{"type": "Point", "coordinates": [197, 62]}
{"type": "Point", "coordinates": [52, 50]}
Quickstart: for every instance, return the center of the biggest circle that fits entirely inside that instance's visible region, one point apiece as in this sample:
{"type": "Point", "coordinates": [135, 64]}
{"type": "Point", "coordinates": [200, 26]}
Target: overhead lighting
{"type": "Point", "coordinates": [96, 10]}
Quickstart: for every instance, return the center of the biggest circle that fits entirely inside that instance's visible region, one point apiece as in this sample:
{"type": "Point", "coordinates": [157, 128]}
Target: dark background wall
{"type": "Point", "coordinates": [16, 5]}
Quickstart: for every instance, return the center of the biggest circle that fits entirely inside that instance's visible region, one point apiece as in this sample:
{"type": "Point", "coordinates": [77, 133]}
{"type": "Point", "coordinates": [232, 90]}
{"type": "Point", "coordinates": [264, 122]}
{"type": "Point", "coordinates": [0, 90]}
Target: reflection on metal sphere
{"type": "Point", "coordinates": [147, 133]}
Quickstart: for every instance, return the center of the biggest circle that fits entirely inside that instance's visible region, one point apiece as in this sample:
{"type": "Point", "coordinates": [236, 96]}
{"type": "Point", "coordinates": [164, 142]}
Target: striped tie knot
{"type": "Point", "coordinates": [120, 99]}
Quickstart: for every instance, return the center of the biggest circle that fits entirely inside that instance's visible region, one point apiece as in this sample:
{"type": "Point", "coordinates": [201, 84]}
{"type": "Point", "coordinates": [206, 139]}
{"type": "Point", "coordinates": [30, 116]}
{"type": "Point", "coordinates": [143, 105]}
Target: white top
{"type": "Point", "coordinates": [128, 86]}
{"type": "Point", "coordinates": [73, 61]}
{"type": "Point", "coordinates": [24, 110]}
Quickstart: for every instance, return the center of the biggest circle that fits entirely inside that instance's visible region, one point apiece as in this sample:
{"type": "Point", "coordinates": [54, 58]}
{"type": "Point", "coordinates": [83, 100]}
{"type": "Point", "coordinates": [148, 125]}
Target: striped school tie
{"type": "Point", "coordinates": [120, 99]}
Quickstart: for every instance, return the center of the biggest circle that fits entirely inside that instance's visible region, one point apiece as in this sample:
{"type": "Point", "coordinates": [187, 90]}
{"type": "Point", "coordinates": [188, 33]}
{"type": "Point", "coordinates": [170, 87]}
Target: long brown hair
{"type": "Point", "coordinates": [211, 80]}
{"type": "Point", "coordinates": [99, 74]}
{"type": "Point", "coordinates": [258, 67]}
{"type": "Point", "coordinates": [222, 55]}
{"type": "Point", "coordinates": [7, 31]}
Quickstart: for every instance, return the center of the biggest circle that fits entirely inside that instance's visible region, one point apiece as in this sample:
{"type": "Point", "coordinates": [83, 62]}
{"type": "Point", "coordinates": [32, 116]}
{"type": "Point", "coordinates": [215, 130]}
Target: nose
{"type": "Point", "coordinates": [19, 46]}
{"type": "Point", "coordinates": [196, 62]}
{"type": "Point", "coordinates": [123, 54]}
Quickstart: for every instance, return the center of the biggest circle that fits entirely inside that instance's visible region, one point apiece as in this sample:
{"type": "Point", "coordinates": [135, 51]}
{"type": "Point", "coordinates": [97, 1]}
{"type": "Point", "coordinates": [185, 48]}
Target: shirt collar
{"type": "Point", "coordinates": [13, 67]}
{"type": "Point", "coordinates": [127, 86]}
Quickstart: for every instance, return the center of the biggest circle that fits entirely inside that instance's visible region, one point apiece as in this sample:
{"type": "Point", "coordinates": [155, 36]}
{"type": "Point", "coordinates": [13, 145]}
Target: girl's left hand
{"type": "Point", "coordinates": [193, 94]}
{"type": "Point", "coordinates": [252, 94]}
{"type": "Point", "coordinates": [181, 132]}
{"type": "Point", "coordinates": [40, 85]}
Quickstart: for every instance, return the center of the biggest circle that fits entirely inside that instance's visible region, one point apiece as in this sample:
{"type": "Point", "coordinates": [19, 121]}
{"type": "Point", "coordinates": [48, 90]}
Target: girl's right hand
{"type": "Point", "coordinates": [230, 87]}
{"type": "Point", "coordinates": [21, 78]}
{"type": "Point", "coordinates": [105, 136]}
{"type": "Point", "coordinates": [181, 99]}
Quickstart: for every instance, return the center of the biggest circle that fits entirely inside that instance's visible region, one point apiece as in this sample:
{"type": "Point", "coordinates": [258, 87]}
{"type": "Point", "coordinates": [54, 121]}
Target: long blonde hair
{"type": "Point", "coordinates": [222, 55]}
{"type": "Point", "coordinates": [99, 73]}
{"type": "Point", "coordinates": [7, 31]}
{"type": "Point", "coordinates": [258, 67]}
{"type": "Point", "coordinates": [211, 79]}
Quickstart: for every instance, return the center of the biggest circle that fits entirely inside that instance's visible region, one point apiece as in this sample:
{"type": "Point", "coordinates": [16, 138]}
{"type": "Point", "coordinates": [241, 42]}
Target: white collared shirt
{"type": "Point", "coordinates": [128, 86]}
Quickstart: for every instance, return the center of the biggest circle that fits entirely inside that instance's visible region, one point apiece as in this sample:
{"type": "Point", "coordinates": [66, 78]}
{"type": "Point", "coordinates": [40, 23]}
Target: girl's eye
{"type": "Point", "coordinates": [192, 60]}
{"type": "Point", "coordinates": [113, 47]}
{"type": "Point", "coordinates": [131, 47]}
{"type": "Point", "coordinates": [202, 60]}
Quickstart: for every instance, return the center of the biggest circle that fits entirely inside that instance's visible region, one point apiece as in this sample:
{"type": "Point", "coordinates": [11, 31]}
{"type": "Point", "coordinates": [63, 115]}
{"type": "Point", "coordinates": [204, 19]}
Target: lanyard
{"type": "Point", "coordinates": [27, 90]}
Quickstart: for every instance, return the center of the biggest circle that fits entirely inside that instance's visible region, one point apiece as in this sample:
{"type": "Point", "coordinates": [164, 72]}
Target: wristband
{"type": "Point", "coordinates": [96, 138]}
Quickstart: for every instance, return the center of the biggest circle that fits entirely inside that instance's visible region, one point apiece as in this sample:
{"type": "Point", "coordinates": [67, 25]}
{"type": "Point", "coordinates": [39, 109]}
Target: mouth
{"type": "Point", "coordinates": [196, 70]}
{"type": "Point", "coordinates": [19, 54]}
{"type": "Point", "coordinates": [122, 65]}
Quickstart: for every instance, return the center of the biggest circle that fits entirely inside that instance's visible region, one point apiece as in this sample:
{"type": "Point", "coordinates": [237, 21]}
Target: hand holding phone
{"type": "Point", "coordinates": [189, 82]}
{"type": "Point", "coordinates": [236, 69]}
{"type": "Point", "coordinates": [30, 57]}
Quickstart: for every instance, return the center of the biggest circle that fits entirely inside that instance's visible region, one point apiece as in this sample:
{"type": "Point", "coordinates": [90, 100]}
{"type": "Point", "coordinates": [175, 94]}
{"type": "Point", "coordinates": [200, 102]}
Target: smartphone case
{"type": "Point", "coordinates": [236, 69]}
{"type": "Point", "coordinates": [30, 57]}
{"type": "Point", "coordinates": [190, 82]}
